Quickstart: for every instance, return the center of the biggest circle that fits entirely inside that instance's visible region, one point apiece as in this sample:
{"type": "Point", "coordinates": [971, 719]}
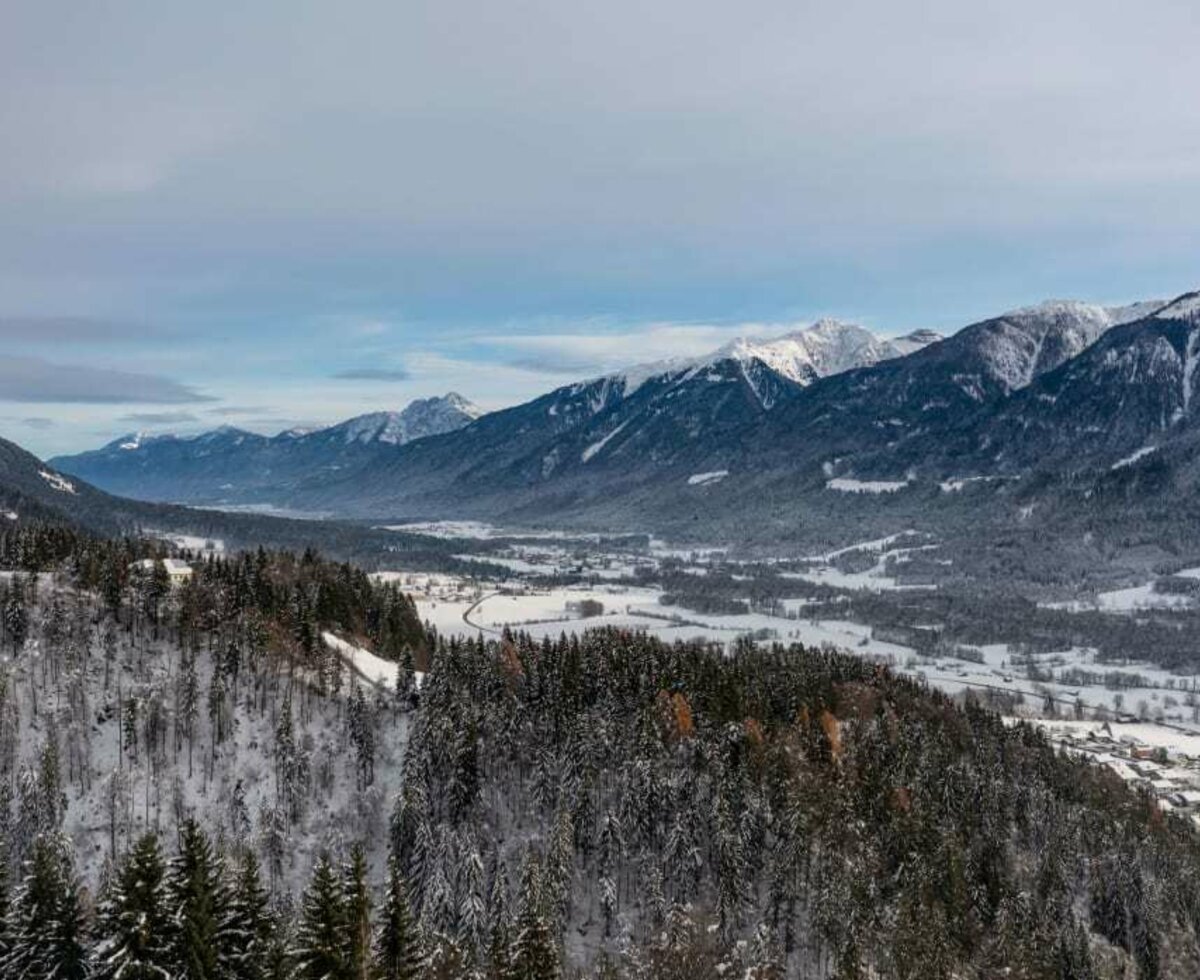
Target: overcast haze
{"type": "Point", "coordinates": [302, 212]}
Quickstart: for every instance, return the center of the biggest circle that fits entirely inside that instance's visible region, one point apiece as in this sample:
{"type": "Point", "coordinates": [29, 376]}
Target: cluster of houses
{"type": "Point", "coordinates": [1172, 776]}
{"type": "Point", "coordinates": [177, 571]}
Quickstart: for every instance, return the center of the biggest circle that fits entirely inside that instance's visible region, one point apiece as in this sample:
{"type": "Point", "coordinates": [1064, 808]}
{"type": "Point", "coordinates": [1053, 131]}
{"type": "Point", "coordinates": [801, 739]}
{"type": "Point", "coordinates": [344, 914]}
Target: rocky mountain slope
{"type": "Point", "coordinates": [630, 448]}
{"type": "Point", "coordinates": [230, 465]}
{"type": "Point", "coordinates": [1044, 409]}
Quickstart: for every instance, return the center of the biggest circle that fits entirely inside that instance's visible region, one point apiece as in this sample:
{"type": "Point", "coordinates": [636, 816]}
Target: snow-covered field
{"type": "Point", "coordinates": [526, 601]}
{"type": "Point", "coordinates": [848, 485]}
{"type": "Point", "coordinates": [366, 665]}
{"type": "Point", "coordinates": [192, 542]}
{"type": "Point", "coordinates": [1130, 599]}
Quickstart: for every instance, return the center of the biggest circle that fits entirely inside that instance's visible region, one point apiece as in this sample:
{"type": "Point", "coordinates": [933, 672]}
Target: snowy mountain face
{"type": "Point", "coordinates": [775, 413]}
{"type": "Point", "coordinates": [232, 465]}
{"type": "Point", "coordinates": [822, 349]}
{"type": "Point", "coordinates": [421, 418]}
{"type": "Point", "coordinates": [825, 348]}
{"type": "Point", "coordinates": [1062, 384]}
{"type": "Point", "coordinates": [1031, 341]}
{"type": "Point", "coordinates": [1131, 391]}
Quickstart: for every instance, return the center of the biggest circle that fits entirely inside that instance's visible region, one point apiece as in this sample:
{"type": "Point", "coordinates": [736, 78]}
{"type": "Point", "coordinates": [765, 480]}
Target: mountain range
{"type": "Point", "coordinates": [1038, 406]}
{"type": "Point", "coordinates": [231, 465]}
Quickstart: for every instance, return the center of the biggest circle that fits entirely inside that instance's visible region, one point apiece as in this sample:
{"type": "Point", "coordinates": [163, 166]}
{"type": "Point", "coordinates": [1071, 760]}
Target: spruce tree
{"type": "Point", "coordinates": [534, 952]}
{"type": "Point", "coordinates": [397, 950]}
{"type": "Point", "coordinates": [248, 925]}
{"type": "Point", "coordinates": [5, 902]}
{"type": "Point", "coordinates": [134, 923]}
{"type": "Point", "coordinates": [197, 903]}
{"type": "Point", "coordinates": [319, 950]}
{"type": "Point", "coordinates": [357, 900]}
{"type": "Point", "coordinates": [47, 925]}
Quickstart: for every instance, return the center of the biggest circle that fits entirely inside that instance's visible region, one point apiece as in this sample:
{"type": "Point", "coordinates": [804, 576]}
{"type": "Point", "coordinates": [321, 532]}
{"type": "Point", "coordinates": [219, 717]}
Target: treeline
{"type": "Point", "coordinates": [615, 805]}
{"type": "Point", "coordinates": [605, 805]}
{"type": "Point", "coordinates": [838, 819]}
{"type": "Point", "coordinates": [291, 596]}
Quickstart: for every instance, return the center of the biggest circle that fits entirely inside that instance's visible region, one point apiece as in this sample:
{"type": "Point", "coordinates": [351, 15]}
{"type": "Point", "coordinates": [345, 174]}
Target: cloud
{"type": "Point", "coordinates": [232, 410]}
{"type": "Point", "coordinates": [373, 374]}
{"type": "Point", "coordinates": [158, 418]}
{"type": "Point", "coordinates": [31, 379]}
{"type": "Point", "coordinates": [72, 329]}
{"type": "Point", "coordinates": [38, 422]}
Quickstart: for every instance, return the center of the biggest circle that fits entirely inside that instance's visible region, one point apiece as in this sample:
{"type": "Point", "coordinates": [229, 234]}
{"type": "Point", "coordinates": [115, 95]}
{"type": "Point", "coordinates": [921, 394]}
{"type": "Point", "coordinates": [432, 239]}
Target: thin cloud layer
{"type": "Point", "coordinates": [159, 418]}
{"type": "Point", "coordinates": [373, 374]}
{"type": "Point", "coordinates": [31, 379]}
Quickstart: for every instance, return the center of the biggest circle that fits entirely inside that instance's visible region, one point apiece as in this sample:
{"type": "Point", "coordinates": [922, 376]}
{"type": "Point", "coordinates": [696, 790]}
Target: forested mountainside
{"type": "Point", "coordinates": [195, 784]}
{"type": "Point", "coordinates": [1038, 410]}
{"type": "Point", "coordinates": [544, 438]}
{"type": "Point", "coordinates": [32, 492]}
{"type": "Point", "coordinates": [233, 465]}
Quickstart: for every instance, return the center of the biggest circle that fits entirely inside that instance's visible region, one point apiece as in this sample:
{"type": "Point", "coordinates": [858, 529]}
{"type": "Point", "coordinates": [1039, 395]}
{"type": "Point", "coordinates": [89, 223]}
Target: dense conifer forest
{"type": "Point", "coordinates": [193, 784]}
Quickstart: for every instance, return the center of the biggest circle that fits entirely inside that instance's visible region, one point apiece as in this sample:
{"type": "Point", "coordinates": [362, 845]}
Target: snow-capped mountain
{"type": "Point", "coordinates": [802, 356]}
{"type": "Point", "coordinates": [420, 418]}
{"type": "Point", "coordinates": [231, 465]}
{"type": "Point", "coordinates": [1119, 401]}
{"type": "Point", "coordinates": [827, 347]}
{"type": "Point", "coordinates": [1085, 388]}
{"type": "Point", "coordinates": [788, 414]}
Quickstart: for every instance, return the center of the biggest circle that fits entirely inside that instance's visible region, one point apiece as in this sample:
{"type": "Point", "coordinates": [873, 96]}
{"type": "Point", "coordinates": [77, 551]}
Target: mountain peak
{"type": "Point", "coordinates": [419, 418]}
{"type": "Point", "coordinates": [1185, 307]}
{"type": "Point", "coordinates": [826, 346]}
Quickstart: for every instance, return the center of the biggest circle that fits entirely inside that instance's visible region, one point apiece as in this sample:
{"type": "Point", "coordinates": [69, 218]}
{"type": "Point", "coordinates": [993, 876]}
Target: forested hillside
{"type": "Point", "coordinates": [192, 784]}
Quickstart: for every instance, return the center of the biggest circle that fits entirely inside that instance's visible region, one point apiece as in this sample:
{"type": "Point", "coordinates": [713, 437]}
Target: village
{"type": "Point", "coordinates": [1162, 761]}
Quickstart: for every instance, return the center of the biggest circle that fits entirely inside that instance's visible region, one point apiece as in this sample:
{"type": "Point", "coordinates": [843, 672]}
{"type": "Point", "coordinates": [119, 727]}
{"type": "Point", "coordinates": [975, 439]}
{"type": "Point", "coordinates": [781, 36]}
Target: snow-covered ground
{"type": "Point", "coordinates": [481, 531]}
{"type": "Point", "coordinates": [1133, 457]}
{"type": "Point", "coordinates": [373, 669]}
{"type": "Point", "coordinates": [192, 542]}
{"type": "Point", "coordinates": [524, 600]}
{"type": "Point", "coordinates": [876, 577]}
{"type": "Point", "coordinates": [1129, 599]}
{"type": "Point", "coordinates": [704, 479]}
{"type": "Point", "coordinates": [57, 482]}
{"type": "Point", "coordinates": [847, 485]}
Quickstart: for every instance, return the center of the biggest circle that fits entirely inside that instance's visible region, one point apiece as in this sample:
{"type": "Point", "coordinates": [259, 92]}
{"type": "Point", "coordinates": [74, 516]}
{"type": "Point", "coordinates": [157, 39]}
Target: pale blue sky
{"type": "Point", "coordinates": [305, 211]}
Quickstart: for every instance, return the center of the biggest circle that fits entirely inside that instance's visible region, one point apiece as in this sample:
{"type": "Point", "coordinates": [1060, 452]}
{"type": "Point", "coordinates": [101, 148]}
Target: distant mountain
{"type": "Point", "coordinates": [1126, 397]}
{"type": "Point", "coordinates": [643, 420]}
{"type": "Point", "coordinates": [788, 421]}
{"type": "Point", "coordinates": [1043, 406]}
{"type": "Point", "coordinates": [230, 465]}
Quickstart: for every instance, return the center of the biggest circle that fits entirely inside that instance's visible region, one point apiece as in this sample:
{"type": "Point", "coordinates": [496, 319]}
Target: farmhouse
{"type": "Point", "coordinates": [177, 571]}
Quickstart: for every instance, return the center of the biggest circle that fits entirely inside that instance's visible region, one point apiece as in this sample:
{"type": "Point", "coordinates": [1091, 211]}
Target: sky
{"type": "Point", "coordinates": [280, 214]}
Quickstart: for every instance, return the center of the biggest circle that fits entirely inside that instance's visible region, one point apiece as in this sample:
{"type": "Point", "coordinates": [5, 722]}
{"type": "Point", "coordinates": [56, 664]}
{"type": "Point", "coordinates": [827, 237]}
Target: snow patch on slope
{"type": "Point", "coordinates": [705, 479]}
{"type": "Point", "coordinates": [57, 482]}
{"type": "Point", "coordinates": [816, 351]}
{"type": "Point", "coordinates": [373, 669]}
{"type": "Point", "coordinates": [1133, 457]}
{"type": "Point", "coordinates": [595, 447]}
{"type": "Point", "coordinates": [847, 485]}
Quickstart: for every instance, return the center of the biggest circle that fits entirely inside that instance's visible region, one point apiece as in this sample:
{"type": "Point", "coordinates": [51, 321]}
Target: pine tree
{"type": "Point", "coordinates": [46, 919]}
{"type": "Point", "coordinates": [357, 900]}
{"type": "Point", "coordinates": [499, 933]}
{"type": "Point", "coordinates": [134, 925]}
{"type": "Point", "coordinates": [319, 949]}
{"type": "Point", "coordinates": [397, 949]}
{"type": "Point", "coordinates": [5, 900]}
{"type": "Point", "coordinates": [472, 910]}
{"type": "Point", "coordinates": [247, 926]}
{"type": "Point", "coordinates": [197, 902]}
{"type": "Point", "coordinates": [534, 952]}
